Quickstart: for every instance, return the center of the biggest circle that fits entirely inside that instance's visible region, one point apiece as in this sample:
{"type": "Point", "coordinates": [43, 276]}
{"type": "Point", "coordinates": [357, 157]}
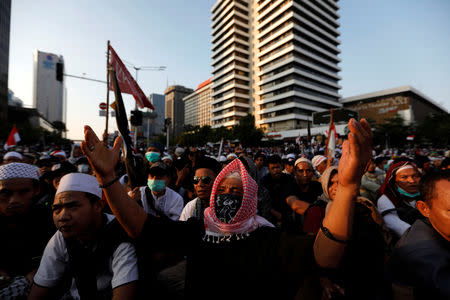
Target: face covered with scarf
{"type": "Point", "coordinates": [233, 202]}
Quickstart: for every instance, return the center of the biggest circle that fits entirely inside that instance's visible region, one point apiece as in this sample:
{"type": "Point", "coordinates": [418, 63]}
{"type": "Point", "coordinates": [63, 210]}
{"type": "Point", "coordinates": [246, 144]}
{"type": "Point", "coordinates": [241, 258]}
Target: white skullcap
{"type": "Point", "coordinates": [302, 159]}
{"type": "Point", "coordinates": [59, 153]}
{"type": "Point", "coordinates": [79, 182]}
{"type": "Point", "coordinates": [179, 151]}
{"type": "Point", "coordinates": [222, 158]}
{"type": "Point", "coordinates": [19, 170]}
{"type": "Point", "coordinates": [290, 155]}
{"type": "Point", "coordinates": [317, 160]}
{"type": "Point", "coordinates": [231, 156]}
{"type": "Point", "coordinates": [13, 154]}
{"type": "Point", "coordinates": [167, 157]}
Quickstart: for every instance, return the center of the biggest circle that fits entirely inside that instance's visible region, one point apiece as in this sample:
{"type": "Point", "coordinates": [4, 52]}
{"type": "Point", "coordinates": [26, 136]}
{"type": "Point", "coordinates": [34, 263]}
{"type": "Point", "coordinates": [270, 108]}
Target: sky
{"type": "Point", "coordinates": [384, 44]}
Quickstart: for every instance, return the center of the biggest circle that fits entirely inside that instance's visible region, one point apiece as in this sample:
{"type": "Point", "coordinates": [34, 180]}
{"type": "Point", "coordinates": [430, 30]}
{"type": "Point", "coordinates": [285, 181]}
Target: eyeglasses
{"type": "Point", "coordinates": [205, 179]}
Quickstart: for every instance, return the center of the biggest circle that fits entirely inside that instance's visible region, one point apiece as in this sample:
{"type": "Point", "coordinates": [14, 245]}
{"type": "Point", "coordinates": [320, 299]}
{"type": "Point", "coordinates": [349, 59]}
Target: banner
{"type": "Point", "coordinates": [126, 82]}
{"type": "Point", "coordinates": [13, 138]}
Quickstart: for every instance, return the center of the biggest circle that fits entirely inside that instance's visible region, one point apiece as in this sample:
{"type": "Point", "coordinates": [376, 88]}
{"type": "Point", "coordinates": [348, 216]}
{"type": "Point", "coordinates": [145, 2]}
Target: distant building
{"type": "Point", "coordinates": [406, 101]}
{"type": "Point", "coordinates": [5, 21]}
{"type": "Point", "coordinates": [197, 106]}
{"type": "Point", "coordinates": [277, 60]}
{"type": "Point", "coordinates": [48, 88]}
{"type": "Point", "coordinates": [175, 107]}
{"type": "Point", "coordinates": [159, 104]}
{"type": "Point", "coordinates": [13, 100]}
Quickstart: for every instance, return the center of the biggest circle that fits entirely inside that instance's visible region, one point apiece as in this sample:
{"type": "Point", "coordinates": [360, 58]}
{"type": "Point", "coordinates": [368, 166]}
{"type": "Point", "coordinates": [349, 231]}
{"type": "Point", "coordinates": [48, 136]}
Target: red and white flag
{"type": "Point", "coordinates": [410, 137]}
{"type": "Point", "coordinates": [126, 82]}
{"type": "Point", "coordinates": [332, 137]}
{"type": "Point", "coordinates": [13, 138]}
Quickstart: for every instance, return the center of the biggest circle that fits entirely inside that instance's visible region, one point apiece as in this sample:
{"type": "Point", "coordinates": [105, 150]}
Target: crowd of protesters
{"type": "Point", "coordinates": [287, 222]}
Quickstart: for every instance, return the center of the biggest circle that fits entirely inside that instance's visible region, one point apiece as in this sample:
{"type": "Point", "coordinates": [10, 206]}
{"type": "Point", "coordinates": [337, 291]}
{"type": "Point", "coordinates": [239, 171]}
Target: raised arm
{"type": "Point", "coordinates": [103, 161]}
{"type": "Point", "coordinates": [329, 246]}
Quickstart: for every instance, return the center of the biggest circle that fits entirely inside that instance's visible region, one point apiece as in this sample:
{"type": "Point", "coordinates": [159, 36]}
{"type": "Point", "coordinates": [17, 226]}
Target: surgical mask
{"type": "Point", "coordinates": [386, 167]}
{"type": "Point", "coordinates": [83, 168]}
{"type": "Point", "coordinates": [152, 156]}
{"type": "Point", "coordinates": [405, 193]}
{"type": "Point", "coordinates": [156, 185]}
{"type": "Point", "coordinates": [227, 206]}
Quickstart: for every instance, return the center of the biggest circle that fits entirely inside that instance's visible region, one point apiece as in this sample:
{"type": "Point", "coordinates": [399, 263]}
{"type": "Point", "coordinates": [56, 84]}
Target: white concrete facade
{"type": "Point", "coordinates": [276, 59]}
{"type": "Point", "coordinates": [197, 106]}
{"type": "Point", "coordinates": [48, 93]}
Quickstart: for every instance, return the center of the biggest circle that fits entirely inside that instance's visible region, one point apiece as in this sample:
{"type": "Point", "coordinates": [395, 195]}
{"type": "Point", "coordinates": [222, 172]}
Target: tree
{"type": "Point", "coordinates": [393, 133]}
{"type": "Point", "coordinates": [59, 126]}
{"type": "Point", "coordinates": [246, 132]}
{"type": "Point", "coordinates": [434, 130]}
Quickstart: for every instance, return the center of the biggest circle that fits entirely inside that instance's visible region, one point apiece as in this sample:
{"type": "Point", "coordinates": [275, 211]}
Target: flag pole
{"type": "Point", "coordinates": [105, 135]}
{"type": "Point", "coordinates": [329, 132]}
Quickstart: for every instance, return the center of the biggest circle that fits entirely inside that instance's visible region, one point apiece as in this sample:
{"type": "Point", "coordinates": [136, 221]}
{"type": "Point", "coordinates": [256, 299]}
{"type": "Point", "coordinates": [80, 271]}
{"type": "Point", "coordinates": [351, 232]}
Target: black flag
{"type": "Point", "coordinates": [135, 164]}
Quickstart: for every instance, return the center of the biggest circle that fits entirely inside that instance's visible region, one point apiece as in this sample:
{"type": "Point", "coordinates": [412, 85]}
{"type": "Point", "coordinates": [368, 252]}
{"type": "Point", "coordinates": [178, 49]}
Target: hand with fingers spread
{"type": "Point", "coordinates": [102, 159]}
{"type": "Point", "coordinates": [356, 152]}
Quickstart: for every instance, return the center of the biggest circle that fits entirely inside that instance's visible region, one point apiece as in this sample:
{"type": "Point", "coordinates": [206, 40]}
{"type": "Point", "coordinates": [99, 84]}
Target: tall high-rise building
{"type": "Point", "coordinates": [175, 107]}
{"type": "Point", "coordinates": [197, 106]}
{"type": "Point", "coordinates": [5, 21]}
{"type": "Point", "coordinates": [276, 59]}
{"type": "Point", "coordinates": [48, 86]}
{"type": "Point", "coordinates": [157, 124]}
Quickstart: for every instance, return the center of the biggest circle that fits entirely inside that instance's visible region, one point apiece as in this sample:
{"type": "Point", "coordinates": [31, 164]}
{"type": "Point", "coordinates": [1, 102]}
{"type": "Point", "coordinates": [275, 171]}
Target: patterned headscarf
{"type": "Point", "coordinates": [388, 187]}
{"type": "Point", "coordinates": [19, 170]}
{"type": "Point", "coordinates": [245, 220]}
{"type": "Point", "coordinates": [325, 181]}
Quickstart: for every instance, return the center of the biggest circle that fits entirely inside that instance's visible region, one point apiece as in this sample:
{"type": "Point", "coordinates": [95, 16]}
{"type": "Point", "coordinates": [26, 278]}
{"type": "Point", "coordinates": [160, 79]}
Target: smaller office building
{"type": "Point", "coordinates": [197, 106]}
{"type": "Point", "coordinates": [406, 101]}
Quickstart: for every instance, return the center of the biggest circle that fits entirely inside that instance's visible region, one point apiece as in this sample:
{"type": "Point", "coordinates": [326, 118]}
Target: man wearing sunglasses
{"type": "Point", "coordinates": [205, 173]}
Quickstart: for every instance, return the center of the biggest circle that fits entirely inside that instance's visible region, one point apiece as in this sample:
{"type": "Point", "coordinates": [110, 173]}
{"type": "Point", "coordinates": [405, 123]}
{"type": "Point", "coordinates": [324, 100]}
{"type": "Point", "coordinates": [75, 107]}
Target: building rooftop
{"type": "Point", "coordinates": [396, 90]}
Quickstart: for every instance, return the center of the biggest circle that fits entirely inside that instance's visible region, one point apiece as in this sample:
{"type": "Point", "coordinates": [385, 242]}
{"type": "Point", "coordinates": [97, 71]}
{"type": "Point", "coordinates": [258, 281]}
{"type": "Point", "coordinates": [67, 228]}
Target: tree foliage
{"type": "Point", "coordinates": [245, 132]}
{"type": "Point", "coordinates": [434, 130]}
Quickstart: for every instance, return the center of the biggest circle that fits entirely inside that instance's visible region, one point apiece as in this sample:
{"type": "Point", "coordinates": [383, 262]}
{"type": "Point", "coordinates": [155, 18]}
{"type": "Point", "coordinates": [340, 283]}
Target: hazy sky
{"type": "Point", "coordinates": [385, 44]}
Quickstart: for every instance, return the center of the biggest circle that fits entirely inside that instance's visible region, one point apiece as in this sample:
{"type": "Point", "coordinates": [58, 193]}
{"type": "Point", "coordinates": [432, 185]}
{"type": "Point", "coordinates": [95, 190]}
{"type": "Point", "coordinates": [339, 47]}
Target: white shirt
{"type": "Point", "coordinates": [54, 263]}
{"type": "Point", "coordinates": [170, 204]}
{"type": "Point", "coordinates": [188, 210]}
{"type": "Point", "coordinates": [392, 220]}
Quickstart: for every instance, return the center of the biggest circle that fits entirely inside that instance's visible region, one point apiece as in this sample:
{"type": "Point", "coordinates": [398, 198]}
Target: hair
{"type": "Point", "coordinates": [258, 155]}
{"type": "Point", "coordinates": [208, 163]}
{"type": "Point", "coordinates": [92, 198]}
{"type": "Point", "coordinates": [428, 184]}
{"type": "Point", "coordinates": [274, 159]}
{"type": "Point", "coordinates": [378, 160]}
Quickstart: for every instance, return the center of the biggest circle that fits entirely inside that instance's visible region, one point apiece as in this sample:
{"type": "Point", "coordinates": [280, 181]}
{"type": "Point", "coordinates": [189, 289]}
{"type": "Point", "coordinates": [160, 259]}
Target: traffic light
{"type": "Point", "coordinates": [59, 71]}
{"type": "Point", "coordinates": [136, 118]}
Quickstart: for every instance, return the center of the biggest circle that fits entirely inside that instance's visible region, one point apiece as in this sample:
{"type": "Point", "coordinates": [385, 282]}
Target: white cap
{"type": "Point", "coordinates": [79, 182]}
{"type": "Point", "coordinates": [290, 155]}
{"type": "Point", "coordinates": [317, 160]}
{"type": "Point", "coordinates": [222, 158]}
{"type": "Point", "coordinates": [13, 154]}
{"type": "Point", "coordinates": [19, 170]}
{"type": "Point", "coordinates": [179, 151]}
{"type": "Point", "coordinates": [167, 157]}
{"type": "Point", "coordinates": [58, 153]}
{"type": "Point", "coordinates": [231, 156]}
{"type": "Point", "coordinates": [302, 159]}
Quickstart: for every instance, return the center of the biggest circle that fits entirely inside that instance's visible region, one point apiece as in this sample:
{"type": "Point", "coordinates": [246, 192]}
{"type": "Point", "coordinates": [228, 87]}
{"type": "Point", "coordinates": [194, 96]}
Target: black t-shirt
{"type": "Point", "coordinates": [277, 188]}
{"type": "Point", "coordinates": [421, 260]}
{"type": "Point", "coordinates": [23, 240]}
{"type": "Point", "coordinates": [291, 221]}
{"type": "Point", "coordinates": [242, 266]}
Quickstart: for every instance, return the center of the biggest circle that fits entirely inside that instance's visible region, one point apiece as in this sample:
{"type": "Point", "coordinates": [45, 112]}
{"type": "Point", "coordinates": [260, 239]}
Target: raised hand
{"type": "Point", "coordinates": [101, 159]}
{"type": "Point", "coordinates": [356, 152]}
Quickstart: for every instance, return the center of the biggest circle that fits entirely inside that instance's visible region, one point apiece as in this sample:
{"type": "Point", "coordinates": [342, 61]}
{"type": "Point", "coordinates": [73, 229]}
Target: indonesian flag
{"type": "Point", "coordinates": [127, 84]}
{"type": "Point", "coordinates": [13, 138]}
{"type": "Point", "coordinates": [332, 136]}
{"type": "Point", "coordinates": [410, 137]}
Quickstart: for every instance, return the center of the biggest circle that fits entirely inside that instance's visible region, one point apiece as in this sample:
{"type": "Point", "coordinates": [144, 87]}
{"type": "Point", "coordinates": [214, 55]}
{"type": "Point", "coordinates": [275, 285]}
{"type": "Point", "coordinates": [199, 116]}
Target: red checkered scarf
{"type": "Point", "coordinates": [246, 219]}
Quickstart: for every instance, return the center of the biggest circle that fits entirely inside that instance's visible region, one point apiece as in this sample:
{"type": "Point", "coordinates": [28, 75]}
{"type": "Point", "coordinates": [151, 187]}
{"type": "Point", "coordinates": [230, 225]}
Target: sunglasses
{"type": "Point", "coordinates": [205, 179]}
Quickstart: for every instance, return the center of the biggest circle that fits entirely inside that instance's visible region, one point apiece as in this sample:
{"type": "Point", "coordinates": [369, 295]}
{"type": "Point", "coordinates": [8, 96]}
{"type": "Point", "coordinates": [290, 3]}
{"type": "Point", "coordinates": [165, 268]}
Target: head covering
{"type": "Point", "coordinates": [231, 156]}
{"type": "Point", "coordinates": [79, 182]}
{"type": "Point", "coordinates": [388, 187]}
{"type": "Point", "coordinates": [222, 158]}
{"type": "Point", "coordinates": [245, 220]}
{"type": "Point", "coordinates": [317, 160]}
{"type": "Point", "coordinates": [302, 159]}
{"type": "Point", "coordinates": [58, 153]}
{"type": "Point", "coordinates": [167, 157]}
{"type": "Point", "coordinates": [157, 145]}
{"type": "Point", "coordinates": [19, 170]}
{"type": "Point", "coordinates": [12, 154]}
{"type": "Point", "coordinates": [61, 168]}
{"type": "Point", "coordinates": [158, 168]}
{"type": "Point", "coordinates": [325, 181]}
{"type": "Point", "coordinates": [179, 151]}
